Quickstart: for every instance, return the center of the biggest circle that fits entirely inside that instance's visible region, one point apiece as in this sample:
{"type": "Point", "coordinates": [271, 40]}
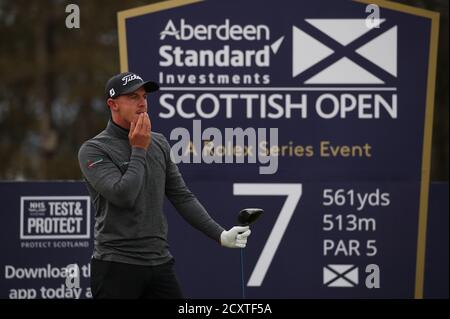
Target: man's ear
{"type": "Point", "coordinates": [112, 104]}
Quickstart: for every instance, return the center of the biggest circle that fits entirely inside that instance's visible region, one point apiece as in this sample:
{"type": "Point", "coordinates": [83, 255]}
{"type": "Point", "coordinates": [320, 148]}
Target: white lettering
{"type": "Point", "coordinates": [223, 32]}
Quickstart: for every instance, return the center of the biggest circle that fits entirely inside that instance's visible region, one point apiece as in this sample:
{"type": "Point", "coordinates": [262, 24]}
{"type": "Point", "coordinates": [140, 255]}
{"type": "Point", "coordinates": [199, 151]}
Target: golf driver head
{"type": "Point", "coordinates": [248, 216]}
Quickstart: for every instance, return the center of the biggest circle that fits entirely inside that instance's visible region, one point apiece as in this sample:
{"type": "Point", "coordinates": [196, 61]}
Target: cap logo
{"type": "Point", "coordinates": [112, 92]}
{"type": "Point", "coordinates": [130, 77]}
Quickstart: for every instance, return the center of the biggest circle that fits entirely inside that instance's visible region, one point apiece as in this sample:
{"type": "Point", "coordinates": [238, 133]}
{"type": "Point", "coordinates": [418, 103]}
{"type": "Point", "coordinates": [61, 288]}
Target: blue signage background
{"type": "Point", "coordinates": [397, 152]}
{"type": "Point", "coordinates": [33, 268]}
{"type": "Point", "coordinates": [384, 235]}
{"type": "Point", "coordinates": [204, 269]}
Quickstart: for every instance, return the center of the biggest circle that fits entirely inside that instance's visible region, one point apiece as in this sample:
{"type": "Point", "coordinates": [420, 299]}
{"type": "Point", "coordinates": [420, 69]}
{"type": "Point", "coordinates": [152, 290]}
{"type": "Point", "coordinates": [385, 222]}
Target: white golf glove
{"type": "Point", "coordinates": [236, 237]}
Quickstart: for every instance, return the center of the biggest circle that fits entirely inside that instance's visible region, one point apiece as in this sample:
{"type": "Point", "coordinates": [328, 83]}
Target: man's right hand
{"type": "Point", "coordinates": [140, 132]}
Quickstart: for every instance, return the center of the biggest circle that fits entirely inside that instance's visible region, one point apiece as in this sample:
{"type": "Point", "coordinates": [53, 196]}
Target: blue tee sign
{"type": "Point", "coordinates": [320, 112]}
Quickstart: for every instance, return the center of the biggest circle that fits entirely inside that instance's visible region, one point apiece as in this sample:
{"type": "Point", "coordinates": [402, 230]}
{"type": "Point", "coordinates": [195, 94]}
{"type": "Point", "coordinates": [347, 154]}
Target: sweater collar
{"type": "Point", "coordinates": [116, 130]}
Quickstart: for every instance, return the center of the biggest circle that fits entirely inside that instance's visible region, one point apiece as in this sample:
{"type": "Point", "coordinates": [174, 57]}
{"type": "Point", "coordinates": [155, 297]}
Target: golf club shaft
{"type": "Point", "coordinates": [242, 273]}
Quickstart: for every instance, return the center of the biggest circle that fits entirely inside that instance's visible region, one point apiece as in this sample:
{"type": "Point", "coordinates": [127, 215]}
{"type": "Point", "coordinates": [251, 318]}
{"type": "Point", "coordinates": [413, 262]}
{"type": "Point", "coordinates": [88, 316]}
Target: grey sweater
{"type": "Point", "coordinates": [127, 186]}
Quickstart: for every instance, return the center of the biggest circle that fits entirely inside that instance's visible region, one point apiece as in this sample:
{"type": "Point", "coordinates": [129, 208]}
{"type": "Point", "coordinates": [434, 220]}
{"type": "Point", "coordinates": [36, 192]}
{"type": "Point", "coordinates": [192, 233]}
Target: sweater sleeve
{"type": "Point", "coordinates": [185, 201]}
{"type": "Point", "coordinates": [106, 178]}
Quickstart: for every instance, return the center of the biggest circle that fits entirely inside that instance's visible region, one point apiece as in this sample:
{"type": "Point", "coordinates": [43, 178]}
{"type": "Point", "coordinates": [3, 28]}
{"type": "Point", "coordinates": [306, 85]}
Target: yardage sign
{"type": "Point", "coordinates": [318, 111]}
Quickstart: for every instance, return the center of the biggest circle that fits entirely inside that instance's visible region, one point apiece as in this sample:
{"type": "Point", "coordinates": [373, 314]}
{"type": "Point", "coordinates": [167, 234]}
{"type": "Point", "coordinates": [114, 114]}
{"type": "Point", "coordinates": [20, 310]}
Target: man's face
{"type": "Point", "coordinates": [126, 108]}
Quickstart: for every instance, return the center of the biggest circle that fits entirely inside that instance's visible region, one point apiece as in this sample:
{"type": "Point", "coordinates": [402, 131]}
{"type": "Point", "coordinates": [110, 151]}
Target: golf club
{"type": "Point", "coordinates": [247, 217]}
